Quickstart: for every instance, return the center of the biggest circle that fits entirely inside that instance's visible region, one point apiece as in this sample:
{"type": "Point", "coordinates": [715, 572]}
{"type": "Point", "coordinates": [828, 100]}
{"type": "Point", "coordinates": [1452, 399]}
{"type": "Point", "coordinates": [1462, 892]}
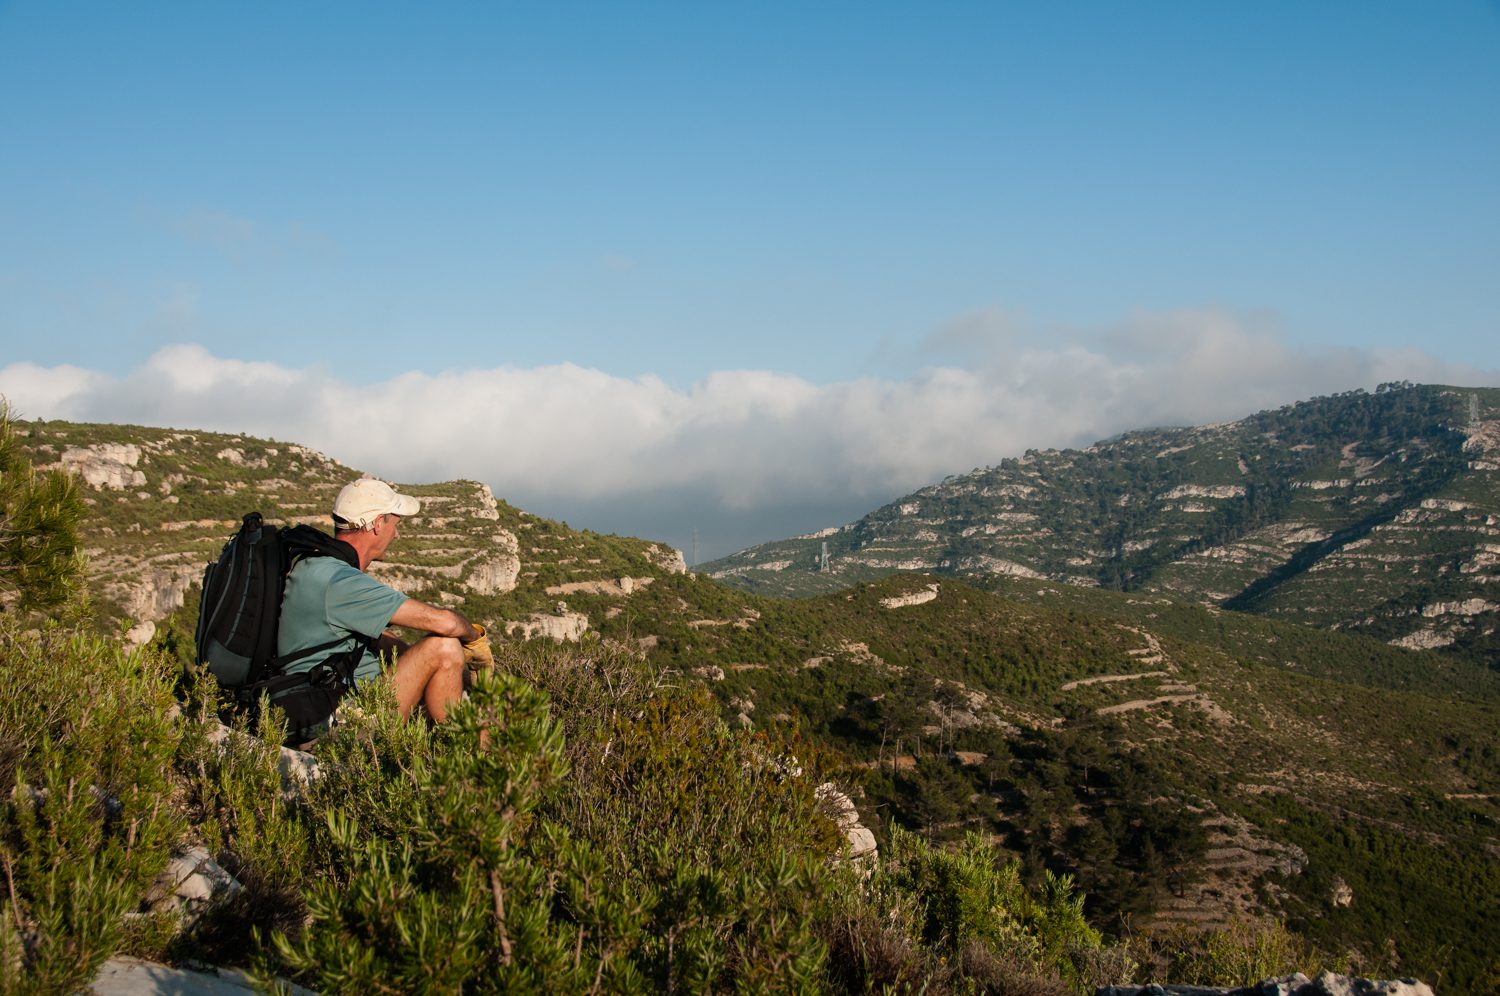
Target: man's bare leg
{"type": "Point", "coordinates": [430, 671]}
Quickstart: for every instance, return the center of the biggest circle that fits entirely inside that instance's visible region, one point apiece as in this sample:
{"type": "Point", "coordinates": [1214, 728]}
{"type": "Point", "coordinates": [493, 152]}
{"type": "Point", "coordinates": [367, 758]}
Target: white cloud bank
{"type": "Point", "coordinates": [738, 448]}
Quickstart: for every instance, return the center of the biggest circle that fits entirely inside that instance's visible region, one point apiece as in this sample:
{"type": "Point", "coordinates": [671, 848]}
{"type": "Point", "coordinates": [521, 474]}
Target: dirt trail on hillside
{"type": "Point", "coordinates": [1105, 679]}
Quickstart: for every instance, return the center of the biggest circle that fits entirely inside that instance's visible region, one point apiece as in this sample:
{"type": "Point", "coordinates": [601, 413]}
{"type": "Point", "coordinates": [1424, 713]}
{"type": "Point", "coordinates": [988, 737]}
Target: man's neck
{"type": "Point", "coordinates": [362, 548]}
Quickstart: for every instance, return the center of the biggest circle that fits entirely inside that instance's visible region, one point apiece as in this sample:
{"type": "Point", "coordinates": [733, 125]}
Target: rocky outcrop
{"type": "Point", "coordinates": [612, 587]}
{"type": "Point", "coordinates": [155, 593]}
{"type": "Point", "coordinates": [488, 507]}
{"type": "Point", "coordinates": [1327, 984]}
{"type": "Point", "coordinates": [236, 457]}
{"type": "Point", "coordinates": [498, 573]}
{"type": "Point", "coordinates": [667, 559]}
{"type": "Point", "coordinates": [1466, 607]}
{"type": "Point", "coordinates": [998, 565]}
{"type": "Point", "coordinates": [1204, 491]}
{"type": "Point", "coordinates": [105, 466]}
{"type": "Point", "coordinates": [1423, 639]}
{"type": "Point", "coordinates": [862, 849]}
{"type": "Point", "coordinates": [927, 594]}
{"type": "Point", "coordinates": [560, 626]}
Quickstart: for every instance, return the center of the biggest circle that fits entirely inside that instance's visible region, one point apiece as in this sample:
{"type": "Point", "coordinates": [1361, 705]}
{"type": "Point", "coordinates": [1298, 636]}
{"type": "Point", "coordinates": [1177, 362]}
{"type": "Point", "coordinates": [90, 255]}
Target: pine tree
{"type": "Point", "coordinates": [40, 565]}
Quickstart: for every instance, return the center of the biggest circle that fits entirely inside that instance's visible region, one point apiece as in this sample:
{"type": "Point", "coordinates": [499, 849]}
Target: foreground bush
{"type": "Point", "coordinates": [1241, 953]}
{"type": "Point", "coordinates": [86, 749]}
{"type": "Point", "coordinates": [579, 826]}
{"type": "Point", "coordinates": [680, 857]}
{"type": "Point", "coordinates": [961, 920]}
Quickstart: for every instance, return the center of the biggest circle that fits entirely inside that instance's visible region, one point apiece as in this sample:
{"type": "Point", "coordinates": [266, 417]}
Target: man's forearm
{"type": "Point", "coordinates": [414, 614]}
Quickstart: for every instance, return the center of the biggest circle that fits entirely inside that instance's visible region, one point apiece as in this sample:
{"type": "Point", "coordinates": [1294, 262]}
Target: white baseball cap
{"type": "Point", "coordinates": [367, 499]}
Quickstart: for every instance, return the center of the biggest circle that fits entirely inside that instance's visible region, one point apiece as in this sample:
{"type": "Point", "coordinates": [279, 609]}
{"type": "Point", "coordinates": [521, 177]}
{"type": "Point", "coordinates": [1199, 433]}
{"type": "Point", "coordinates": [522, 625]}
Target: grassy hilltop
{"type": "Point", "coordinates": [1188, 767]}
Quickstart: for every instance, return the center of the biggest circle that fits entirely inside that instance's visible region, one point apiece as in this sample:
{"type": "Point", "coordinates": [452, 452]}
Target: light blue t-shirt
{"type": "Point", "coordinates": [325, 599]}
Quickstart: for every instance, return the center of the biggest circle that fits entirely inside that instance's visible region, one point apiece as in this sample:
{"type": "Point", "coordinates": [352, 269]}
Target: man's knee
{"type": "Point", "coordinates": [444, 652]}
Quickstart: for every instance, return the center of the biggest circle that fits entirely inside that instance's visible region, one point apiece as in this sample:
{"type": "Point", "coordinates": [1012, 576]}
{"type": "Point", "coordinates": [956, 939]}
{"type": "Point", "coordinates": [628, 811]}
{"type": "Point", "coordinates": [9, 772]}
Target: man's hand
{"type": "Point", "coordinates": [477, 653]}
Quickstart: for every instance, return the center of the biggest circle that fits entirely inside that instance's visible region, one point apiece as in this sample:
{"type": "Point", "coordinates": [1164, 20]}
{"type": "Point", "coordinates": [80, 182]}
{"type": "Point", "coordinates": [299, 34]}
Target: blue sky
{"type": "Point", "coordinates": [752, 268]}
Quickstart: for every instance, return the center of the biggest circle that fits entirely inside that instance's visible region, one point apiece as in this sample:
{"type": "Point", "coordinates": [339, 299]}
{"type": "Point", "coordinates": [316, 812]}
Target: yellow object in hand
{"type": "Point", "coordinates": [477, 653]}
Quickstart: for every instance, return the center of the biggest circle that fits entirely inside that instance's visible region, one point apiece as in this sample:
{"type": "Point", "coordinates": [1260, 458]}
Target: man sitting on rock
{"type": "Point", "coordinates": [331, 597]}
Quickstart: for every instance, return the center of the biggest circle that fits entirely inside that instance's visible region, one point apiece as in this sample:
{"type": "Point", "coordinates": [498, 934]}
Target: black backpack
{"type": "Point", "coordinates": [241, 613]}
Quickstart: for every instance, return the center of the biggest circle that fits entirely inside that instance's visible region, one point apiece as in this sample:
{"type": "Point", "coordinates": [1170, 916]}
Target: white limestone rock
{"type": "Point", "coordinates": [567, 627]}
{"type": "Point", "coordinates": [298, 769]}
{"type": "Point", "coordinates": [1464, 607]}
{"type": "Point", "coordinates": [499, 572]}
{"type": "Point", "coordinates": [123, 975]}
{"type": "Point", "coordinates": [862, 849]}
{"type": "Point", "coordinates": [156, 592]}
{"type": "Point", "coordinates": [191, 884]}
{"type": "Point", "coordinates": [1204, 491]}
{"type": "Point", "coordinates": [1423, 639]}
{"type": "Point", "coordinates": [105, 466]}
{"type": "Point", "coordinates": [667, 559]}
{"type": "Point", "coordinates": [140, 634]}
{"type": "Point", "coordinates": [236, 457]}
{"type": "Point", "coordinates": [927, 594]}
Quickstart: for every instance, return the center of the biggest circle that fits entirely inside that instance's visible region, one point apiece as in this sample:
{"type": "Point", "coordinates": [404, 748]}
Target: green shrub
{"type": "Point", "coordinates": [963, 919]}
{"type": "Point", "coordinates": [1244, 952]}
{"type": "Point", "coordinates": [232, 789]}
{"type": "Point", "coordinates": [86, 744]}
{"type": "Point", "coordinates": [656, 851]}
{"type": "Point", "coordinates": [425, 881]}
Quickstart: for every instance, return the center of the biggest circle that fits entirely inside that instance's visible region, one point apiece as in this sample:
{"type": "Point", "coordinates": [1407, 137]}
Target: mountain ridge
{"type": "Point", "coordinates": [1267, 514]}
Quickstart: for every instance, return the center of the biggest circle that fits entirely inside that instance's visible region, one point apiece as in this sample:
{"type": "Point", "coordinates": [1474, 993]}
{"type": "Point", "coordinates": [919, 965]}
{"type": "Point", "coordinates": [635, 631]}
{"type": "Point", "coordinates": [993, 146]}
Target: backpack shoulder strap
{"type": "Point", "coordinates": [303, 541]}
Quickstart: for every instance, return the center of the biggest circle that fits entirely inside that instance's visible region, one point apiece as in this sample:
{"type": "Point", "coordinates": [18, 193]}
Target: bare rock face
{"type": "Point", "coordinates": [488, 507]}
{"type": "Point", "coordinates": [495, 576]}
{"type": "Point", "coordinates": [1423, 639]}
{"type": "Point", "coordinates": [232, 455]}
{"type": "Point", "coordinates": [1466, 607]}
{"type": "Point", "coordinates": [161, 590]}
{"type": "Point", "coordinates": [622, 587]}
{"type": "Point", "coordinates": [105, 466]}
{"type": "Point", "coordinates": [927, 594]}
{"type": "Point", "coordinates": [498, 573]}
{"type": "Point", "coordinates": [862, 849]}
{"type": "Point", "coordinates": [563, 627]}
{"type": "Point", "coordinates": [668, 559]}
